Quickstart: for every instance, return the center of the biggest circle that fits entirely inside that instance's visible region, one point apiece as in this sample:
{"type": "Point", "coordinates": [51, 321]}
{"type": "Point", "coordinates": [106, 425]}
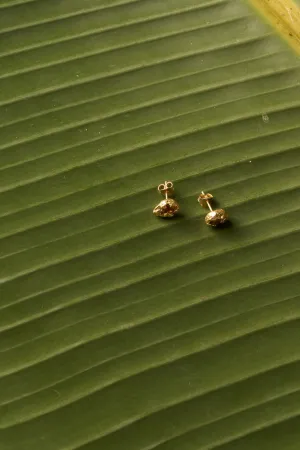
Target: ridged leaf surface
{"type": "Point", "coordinates": [121, 331]}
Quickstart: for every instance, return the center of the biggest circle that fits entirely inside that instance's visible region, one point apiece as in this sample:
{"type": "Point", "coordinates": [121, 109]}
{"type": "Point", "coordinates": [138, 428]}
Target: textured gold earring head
{"type": "Point", "coordinates": [167, 207]}
{"type": "Point", "coordinates": [216, 216]}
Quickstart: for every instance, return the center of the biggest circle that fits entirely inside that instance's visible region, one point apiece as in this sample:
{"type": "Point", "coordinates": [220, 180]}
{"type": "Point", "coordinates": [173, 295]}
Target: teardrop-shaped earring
{"type": "Point", "coordinates": [216, 216]}
{"type": "Point", "coordinates": [167, 207]}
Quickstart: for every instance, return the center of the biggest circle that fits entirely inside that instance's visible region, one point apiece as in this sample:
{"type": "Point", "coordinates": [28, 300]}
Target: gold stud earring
{"type": "Point", "coordinates": [167, 207]}
{"type": "Point", "coordinates": [214, 217]}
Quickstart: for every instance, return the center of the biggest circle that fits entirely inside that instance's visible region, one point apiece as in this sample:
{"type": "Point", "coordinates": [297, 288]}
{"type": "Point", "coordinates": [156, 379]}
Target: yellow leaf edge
{"type": "Point", "coordinates": [284, 16]}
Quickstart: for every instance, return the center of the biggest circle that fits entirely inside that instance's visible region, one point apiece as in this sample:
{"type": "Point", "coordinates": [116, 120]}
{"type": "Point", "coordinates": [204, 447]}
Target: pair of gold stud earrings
{"type": "Point", "coordinates": [169, 207]}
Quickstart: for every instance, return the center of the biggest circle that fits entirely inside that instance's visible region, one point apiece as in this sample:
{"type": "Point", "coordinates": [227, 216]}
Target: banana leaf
{"type": "Point", "coordinates": [120, 330]}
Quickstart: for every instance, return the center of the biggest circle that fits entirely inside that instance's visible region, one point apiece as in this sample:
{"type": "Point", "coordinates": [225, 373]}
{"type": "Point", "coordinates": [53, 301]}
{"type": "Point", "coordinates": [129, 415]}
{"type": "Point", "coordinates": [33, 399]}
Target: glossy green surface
{"type": "Point", "coordinates": [121, 331]}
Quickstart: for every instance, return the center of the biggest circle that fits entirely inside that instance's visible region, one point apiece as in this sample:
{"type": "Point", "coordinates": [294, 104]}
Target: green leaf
{"type": "Point", "coordinates": [120, 330]}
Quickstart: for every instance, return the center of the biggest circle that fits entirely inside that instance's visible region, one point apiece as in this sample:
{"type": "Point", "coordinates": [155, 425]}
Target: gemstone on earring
{"type": "Point", "coordinates": [166, 208]}
{"type": "Point", "coordinates": [216, 217]}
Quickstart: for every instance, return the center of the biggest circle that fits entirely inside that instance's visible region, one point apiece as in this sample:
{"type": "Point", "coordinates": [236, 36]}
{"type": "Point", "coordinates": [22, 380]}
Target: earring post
{"type": "Point", "coordinates": [208, 203]}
